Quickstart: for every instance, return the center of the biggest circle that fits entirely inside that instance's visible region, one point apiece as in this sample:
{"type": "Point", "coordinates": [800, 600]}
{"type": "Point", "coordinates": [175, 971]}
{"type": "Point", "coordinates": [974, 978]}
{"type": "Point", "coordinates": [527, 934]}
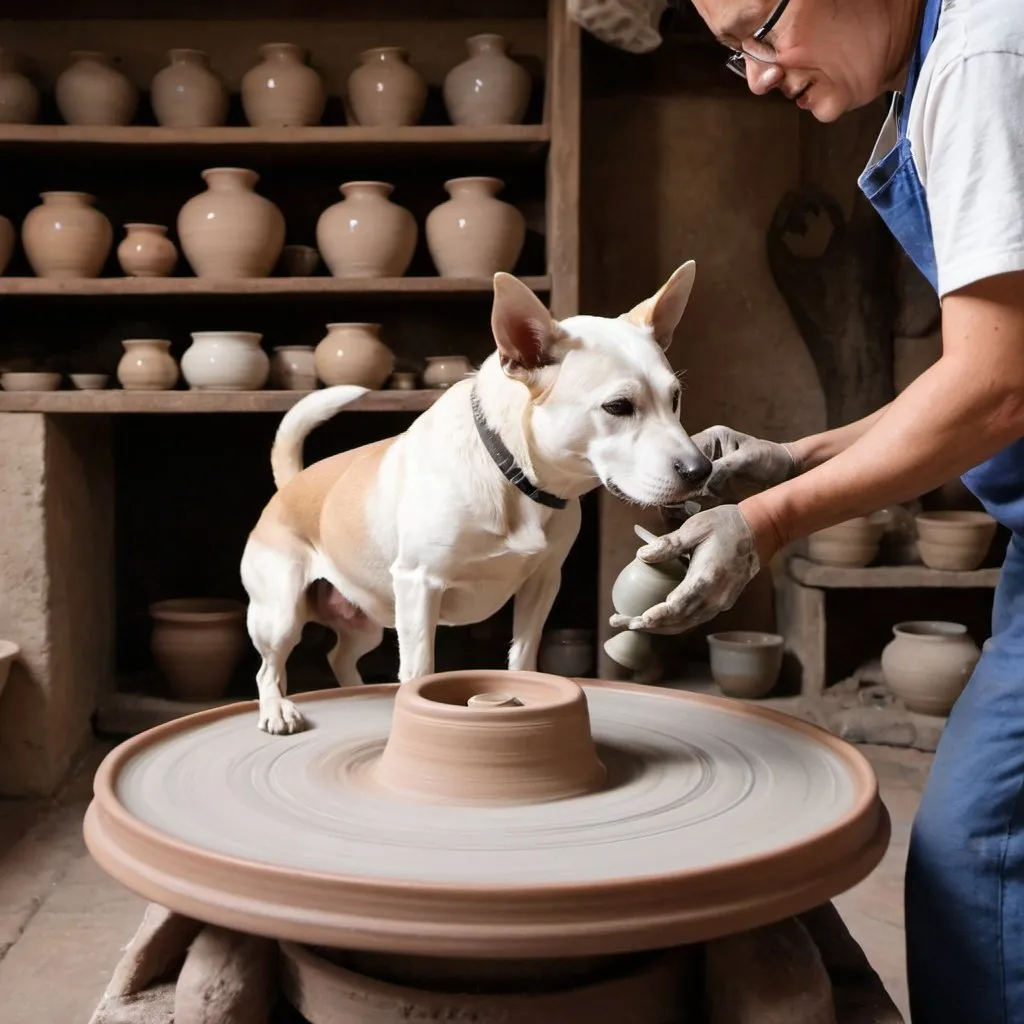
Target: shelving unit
{"type": "Point", "coordinates": [109, 501]}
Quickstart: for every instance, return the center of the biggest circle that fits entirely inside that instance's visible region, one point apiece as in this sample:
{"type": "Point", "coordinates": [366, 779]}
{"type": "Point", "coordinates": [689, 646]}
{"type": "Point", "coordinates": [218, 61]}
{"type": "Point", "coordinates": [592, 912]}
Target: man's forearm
{"type": "Point", "coordinates": [815, 449]}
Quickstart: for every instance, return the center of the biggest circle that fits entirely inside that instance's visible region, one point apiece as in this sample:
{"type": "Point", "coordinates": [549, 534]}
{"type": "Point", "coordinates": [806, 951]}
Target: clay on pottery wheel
{"type": "Point", "coordinates": [714, 816]}
{"type": "Point", "coordinates": [927, 664]}
{"type": "Point", "coordinates": [647, 990]}
{"type": "Point", "coordinates": [954, 540]}
{"type": "Point", "coordinates": [638, 587]}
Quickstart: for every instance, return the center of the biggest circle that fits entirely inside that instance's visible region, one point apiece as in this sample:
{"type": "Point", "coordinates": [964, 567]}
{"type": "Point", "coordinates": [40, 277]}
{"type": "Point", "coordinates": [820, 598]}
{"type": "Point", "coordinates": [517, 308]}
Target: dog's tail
{"type": "Point", "coordinates": [299, 421]}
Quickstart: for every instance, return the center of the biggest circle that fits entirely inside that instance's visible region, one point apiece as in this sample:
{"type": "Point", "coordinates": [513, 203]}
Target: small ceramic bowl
{"type": "Point", "coordinates": [30, 381]}
{"type": "Point", "coordinates": [954, 540]}
{"type": "Point", "coordinates": [851, 544]}
{"type": "Point", "coordinates": [298, 260]}
{"type": "Point", "coordinates": [90, 381]}
{"type": "Point", "coordinates": [745, 663]}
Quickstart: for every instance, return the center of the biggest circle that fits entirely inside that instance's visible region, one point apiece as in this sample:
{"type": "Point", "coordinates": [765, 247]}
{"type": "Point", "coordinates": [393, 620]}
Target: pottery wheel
{"type": "Point", "coordinates": [710, 816]}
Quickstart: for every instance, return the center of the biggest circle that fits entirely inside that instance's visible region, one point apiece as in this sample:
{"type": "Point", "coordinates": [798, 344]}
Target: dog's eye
{"type": "Point", "coordinates": [619, 407]}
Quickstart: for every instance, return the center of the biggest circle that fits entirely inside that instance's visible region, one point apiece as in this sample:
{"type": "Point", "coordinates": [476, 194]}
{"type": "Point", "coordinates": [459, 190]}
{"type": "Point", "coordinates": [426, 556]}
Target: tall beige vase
{"type": "Point", "coordinates": [187, 93]}
{"type": "Point", "coordinates": [229, 231]}
{"type": "Point", "coordinates": [6, 243]}
{"type": "Point", "coordinates": [354, 354]}
{"type": "Point", "coordinates": [282, 90]}
{"type": "Point", "coordinates": [489, 87]}
{"type": "Point", "coordinates": [474, 234]}
{"type": "Point", "coordinates": [92, 91]}
{"type": "Point", "coordinates": [19, 98]}
{"type": "Point", "coordinates": [385, 89]}
{"type": "Point", "coordinates": [67, 237]}
{"type": "Point", "coordinates": [366, 234]}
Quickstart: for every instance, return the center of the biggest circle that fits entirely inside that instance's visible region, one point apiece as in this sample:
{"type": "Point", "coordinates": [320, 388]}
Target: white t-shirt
{"type": "Point", "coordinates": [966, 130]}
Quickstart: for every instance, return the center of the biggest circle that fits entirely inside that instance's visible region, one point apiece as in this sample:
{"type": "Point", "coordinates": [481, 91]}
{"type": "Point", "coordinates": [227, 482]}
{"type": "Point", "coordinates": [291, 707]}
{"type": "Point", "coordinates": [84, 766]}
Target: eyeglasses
{"type": "Point", "coordinates": [757, 49]}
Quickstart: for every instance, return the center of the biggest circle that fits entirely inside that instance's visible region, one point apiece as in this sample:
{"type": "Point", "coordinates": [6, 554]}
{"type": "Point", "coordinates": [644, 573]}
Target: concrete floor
{"type": "Point", "coordinates": [63, 922]}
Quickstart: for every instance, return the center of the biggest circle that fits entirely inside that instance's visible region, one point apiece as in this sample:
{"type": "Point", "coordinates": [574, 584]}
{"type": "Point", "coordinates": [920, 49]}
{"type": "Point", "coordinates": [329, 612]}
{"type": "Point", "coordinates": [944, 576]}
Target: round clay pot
{"type": "Point", "coordinates": [282, 90]}
{"type": "Point", "coordinates": [197, 644]}
{"type": "Point", "coordinates": [354, 354]}
{"type": "Point", "coordinates": [229, 231]}
{"type": "Point", "coordinates": [6, 243]}
{"type": "Point", "coordinates": [444, 371]}
{"type": "Point", "coordinates": [745, 664]}
{"type": "Point", "coordinates": [474, 234]}
{"type": "Point", "coordinates": [67, 237]}
{"type": "Point", "coordinates": [850, 544]}
{"type": "Point", "coordinates": [92, 91]}
{"type": "Point", "coordinates": [147, 365]}
{"type": "Point", "coordinates": [638, 587]}
{"type": "Point", "coordinates": [927, 664]}
{"type": "Point", "coordinates": [567, 652]}
{"type": "Point", "coordinates": [19, 98]}
{"type": "Point", "coordinates": [488, 88]}
{"type": "Point", "coordinates": [366, 234]}
{"type": "Point", "coordinates": [385, 89]}
{"type": "Point", "coordinates": [293, 368]}
{"type": "Point", "coordinates": [486, 738]}
{"type": "Point", "coordinates": [954, 540]}
{"type": "Point", "coordinates": [187, 93]}
{"type": "Point", "coordinates": [225, 361]}
{"type": "Point", "coordinates": [298, 260]}
{"type": "Point", "coordinates": [146, 251]}
{"type": "Point", "coordinates": [30, 381]}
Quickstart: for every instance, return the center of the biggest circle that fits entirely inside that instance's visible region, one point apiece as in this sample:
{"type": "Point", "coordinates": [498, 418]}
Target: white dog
{"type": "Point", "coordinates": [477, 502]}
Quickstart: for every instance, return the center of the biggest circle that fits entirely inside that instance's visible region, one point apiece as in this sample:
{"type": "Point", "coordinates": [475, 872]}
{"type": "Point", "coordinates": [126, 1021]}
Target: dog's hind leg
{"type": "Point", "coordinates": [276, 583]}
{"type": "Point", "coordinates": [353, 643]}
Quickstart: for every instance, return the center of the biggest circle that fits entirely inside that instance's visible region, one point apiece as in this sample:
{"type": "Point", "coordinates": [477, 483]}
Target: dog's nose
{"type": "Point", "coordinates": [693, 471]}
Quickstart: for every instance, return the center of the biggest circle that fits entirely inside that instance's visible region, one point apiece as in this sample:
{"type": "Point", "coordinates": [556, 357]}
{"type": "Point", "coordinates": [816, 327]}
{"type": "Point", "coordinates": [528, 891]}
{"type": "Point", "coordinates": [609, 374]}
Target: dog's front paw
{"type": "Point", "coordinates": [281, 718]}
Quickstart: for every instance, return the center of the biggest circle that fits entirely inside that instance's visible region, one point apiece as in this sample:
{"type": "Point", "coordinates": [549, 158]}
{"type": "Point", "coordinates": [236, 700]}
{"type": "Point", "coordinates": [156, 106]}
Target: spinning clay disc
{"type": "Point", "coordinates": [710, 817]}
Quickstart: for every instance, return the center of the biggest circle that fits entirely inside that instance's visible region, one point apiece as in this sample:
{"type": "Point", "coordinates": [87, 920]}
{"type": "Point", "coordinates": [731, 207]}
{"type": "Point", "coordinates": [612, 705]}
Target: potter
{"type": "Point", "coordinates": [947, 179]}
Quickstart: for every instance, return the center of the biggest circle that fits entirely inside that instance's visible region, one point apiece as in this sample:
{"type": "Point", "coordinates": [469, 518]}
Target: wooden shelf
{"type": "Point", "coordinates": [505, 142]}
{"type": "Point", "coordinates": [118, 401]}
{"type": "Point", "coordinates": [326, 286]}
{"type": "Point", "coordinates": [887, 576]}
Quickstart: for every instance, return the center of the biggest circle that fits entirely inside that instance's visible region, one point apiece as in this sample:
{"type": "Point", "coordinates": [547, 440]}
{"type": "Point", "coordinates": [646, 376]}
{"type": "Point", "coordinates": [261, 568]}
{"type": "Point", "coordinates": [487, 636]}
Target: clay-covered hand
{"type": "Point", "coordinates": [723, 560]}
{"type": "Point", "coordinates": [737, 457]}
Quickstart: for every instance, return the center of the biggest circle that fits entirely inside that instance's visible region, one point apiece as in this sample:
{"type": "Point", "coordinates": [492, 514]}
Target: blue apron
{"type": "Point", "coordinates": [964, 894]}
{"type": "Point", "coordinates": [893, 187]}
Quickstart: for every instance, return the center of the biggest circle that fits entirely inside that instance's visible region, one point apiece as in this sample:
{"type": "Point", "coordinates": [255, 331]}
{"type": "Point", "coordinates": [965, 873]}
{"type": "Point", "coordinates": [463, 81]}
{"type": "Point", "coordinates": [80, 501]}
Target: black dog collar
{"type": "Point", "coordinates": [506, 462]}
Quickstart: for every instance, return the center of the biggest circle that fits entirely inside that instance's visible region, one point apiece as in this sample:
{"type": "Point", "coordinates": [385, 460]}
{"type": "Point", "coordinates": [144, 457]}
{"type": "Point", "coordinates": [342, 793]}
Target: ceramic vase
{"type": "Point", "coordinates": [366, 234]}
{"type": "Point", "coordinates": [488, 88]}
{"type": "Point", "coordinates": [474, 234]}
{"type": "Point", "coordinates": [850, 544]}
{"type": "Point", "coordinates": [293, 368]}
{"type": "Point", "coordinates": [385, 90]}
{"type": "Point", "coordinates": [444, 371]}
{"type": "Point", "coordinates": [229, 231]}
{"type": "Point", "coordinates": [927, 664]}
{"type": "Point", "coordinates": [745, 664]}
{"type": "Point", "coordinates": [6, 243]}
{"type": "Point", "coordinates": [638, 587]}
{"type": "Point", "coordinates": [225, 361]}
{"type": "Point", "coordinates": [146, 251]}
{"type": "Point", "coordinates": [187, 93]}
{"type": "Point", "coordinates": [197, 644]}
{"type": "Point", "coordinates": [282, 90]}
{"type": "Point", "coordinates": [19, 98]}
{"type": "Point", "coordinates": [954, 540]}
{"type": "Point", "coordinates": [147, 365]}
{"type": "Point", "coordinates": [67, 237]}
{"type": "Point", "coordinates": [354, 354]}
{"type": "Point", "coordinates": [92, 91]}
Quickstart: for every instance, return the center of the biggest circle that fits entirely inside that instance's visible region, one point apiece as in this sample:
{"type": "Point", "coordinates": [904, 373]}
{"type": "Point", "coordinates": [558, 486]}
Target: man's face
{"type": "Point", "coordinates": [831, 56]}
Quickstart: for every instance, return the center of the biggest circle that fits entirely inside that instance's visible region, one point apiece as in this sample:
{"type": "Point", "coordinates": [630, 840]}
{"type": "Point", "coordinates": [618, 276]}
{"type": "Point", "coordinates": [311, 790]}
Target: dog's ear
{"type": "Point", "coordinates": [663, 310]}
{"type": "Point", "coordinates": [524, 330]}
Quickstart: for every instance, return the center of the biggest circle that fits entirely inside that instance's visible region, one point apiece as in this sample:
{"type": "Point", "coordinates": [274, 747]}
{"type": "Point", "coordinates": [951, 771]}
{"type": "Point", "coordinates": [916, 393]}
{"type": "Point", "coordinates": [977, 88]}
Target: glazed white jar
{"type": "Point", "coordinates": [225, 361]}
